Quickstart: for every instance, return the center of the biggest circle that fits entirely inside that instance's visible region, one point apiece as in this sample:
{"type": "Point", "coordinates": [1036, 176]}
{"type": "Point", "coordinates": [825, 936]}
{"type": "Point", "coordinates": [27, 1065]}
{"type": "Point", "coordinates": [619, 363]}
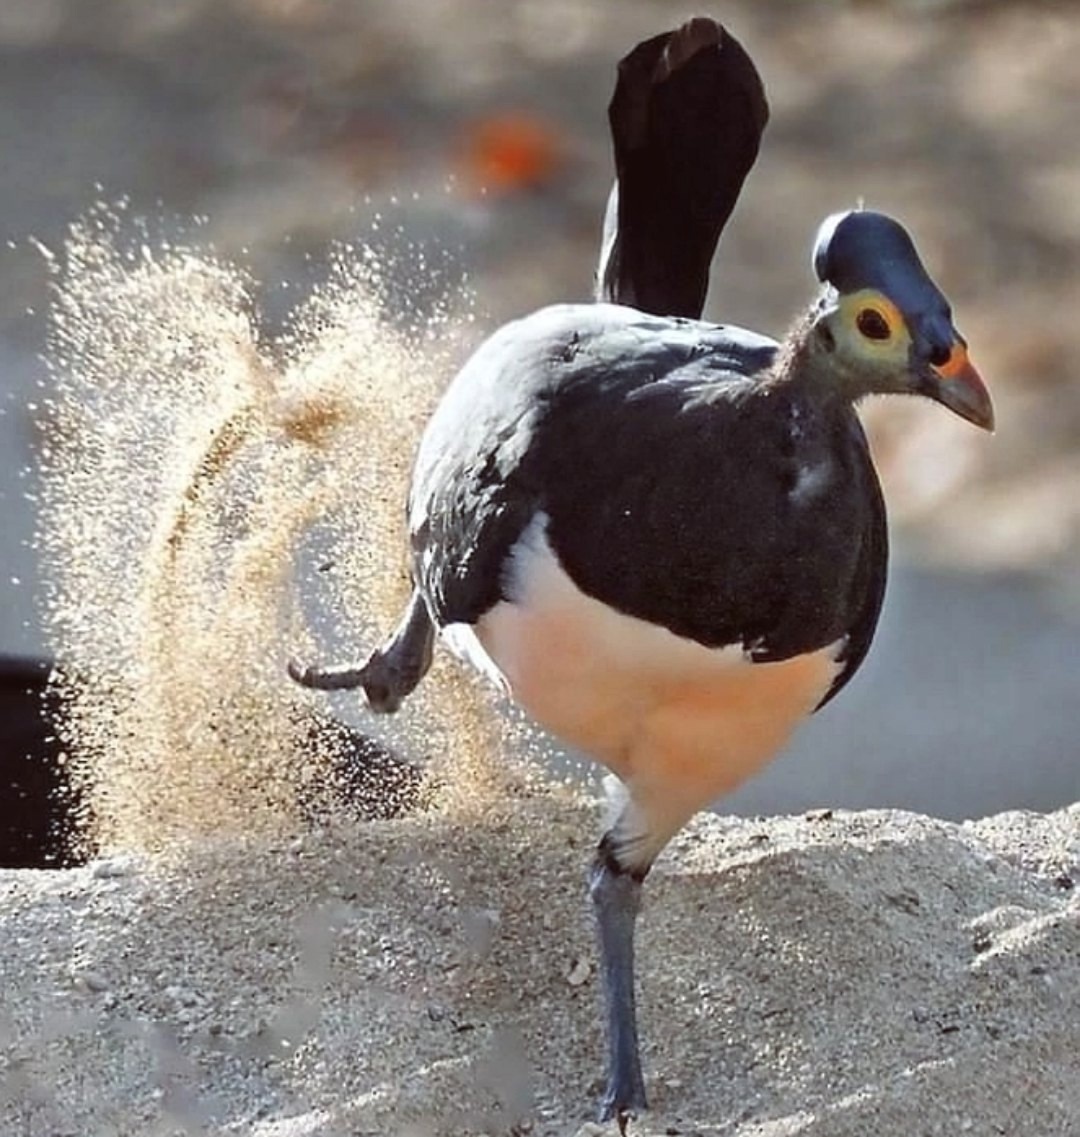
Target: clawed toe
{"type": "Point", "coordinates": [621, 1104]}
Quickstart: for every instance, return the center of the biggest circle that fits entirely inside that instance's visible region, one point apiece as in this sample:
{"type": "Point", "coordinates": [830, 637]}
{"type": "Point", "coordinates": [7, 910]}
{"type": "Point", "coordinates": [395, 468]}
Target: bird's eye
{"type": "Point", "coordinates": [873, 324]}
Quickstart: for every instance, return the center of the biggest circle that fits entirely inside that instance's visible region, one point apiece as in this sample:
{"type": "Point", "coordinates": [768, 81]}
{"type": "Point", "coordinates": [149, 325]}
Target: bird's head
{"type": "Point", "coordinates": [883, 325]}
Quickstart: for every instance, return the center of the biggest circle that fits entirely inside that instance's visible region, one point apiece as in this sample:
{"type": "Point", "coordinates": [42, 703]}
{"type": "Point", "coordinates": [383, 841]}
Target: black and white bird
{"type": "Point", "coordinates": [667, 537]}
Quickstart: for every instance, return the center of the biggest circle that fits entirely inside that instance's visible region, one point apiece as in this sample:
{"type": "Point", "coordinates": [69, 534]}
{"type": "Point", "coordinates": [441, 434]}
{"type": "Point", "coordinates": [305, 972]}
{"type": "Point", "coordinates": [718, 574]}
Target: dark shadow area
{"type": "Point", "coordinates": [41, 807]}
{"type": "Point", "coordinates": [38, 806]}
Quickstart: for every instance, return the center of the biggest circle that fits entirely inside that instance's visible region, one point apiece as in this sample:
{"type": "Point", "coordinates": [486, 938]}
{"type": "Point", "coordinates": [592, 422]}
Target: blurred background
{"type": "Point", "coordinates": [479, 128]}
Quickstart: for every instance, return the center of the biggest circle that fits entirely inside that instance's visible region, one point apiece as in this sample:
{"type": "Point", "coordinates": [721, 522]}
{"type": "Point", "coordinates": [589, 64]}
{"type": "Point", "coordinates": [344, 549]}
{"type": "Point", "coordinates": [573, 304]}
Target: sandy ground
{"type": "Point", "coordinates": [832, 974]}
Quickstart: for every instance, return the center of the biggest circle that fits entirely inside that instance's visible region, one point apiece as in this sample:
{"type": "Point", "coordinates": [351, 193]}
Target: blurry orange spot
{"type": "Point", "coordinates": [957, 364]}
{"type": "Point", "coordinates": [510, 152]}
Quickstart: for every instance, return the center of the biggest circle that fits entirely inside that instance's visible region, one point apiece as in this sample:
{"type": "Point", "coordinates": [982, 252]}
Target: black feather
{"type": "Point", "coordinates": [687, 117]}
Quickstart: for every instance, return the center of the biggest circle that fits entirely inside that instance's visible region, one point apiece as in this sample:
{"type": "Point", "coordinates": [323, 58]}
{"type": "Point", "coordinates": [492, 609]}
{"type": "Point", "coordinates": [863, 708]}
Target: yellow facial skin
{"type": "Point", "coordinates": [870, 326]}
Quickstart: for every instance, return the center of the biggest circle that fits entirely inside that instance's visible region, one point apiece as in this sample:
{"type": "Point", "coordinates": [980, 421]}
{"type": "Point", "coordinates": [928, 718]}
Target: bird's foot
{"type": "Point", "coordinates": [623, 1099]}
{"type": "Point", "coordinates": [391, 672]}
{"type": "Point", "coordinates": [325, 678]}
{"type": "Point", "coordinates": [383, 687]}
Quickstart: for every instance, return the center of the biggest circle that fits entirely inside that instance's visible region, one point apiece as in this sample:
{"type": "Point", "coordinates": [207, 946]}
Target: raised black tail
{"type": "Point", "coordinates": [686, 118]}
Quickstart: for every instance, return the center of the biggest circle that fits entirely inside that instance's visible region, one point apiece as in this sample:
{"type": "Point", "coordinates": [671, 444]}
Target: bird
{"type": "Point", "coordinates": [666, 537]}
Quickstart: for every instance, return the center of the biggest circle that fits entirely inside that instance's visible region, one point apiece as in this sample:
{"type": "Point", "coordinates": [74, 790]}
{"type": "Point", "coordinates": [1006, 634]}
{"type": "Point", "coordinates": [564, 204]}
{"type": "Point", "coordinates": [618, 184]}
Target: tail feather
{"type": "Point", "coordinates": [687, 117]}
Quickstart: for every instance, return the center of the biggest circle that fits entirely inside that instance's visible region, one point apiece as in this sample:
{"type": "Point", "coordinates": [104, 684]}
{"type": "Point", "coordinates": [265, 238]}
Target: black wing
{"type": "Point", "coordinates": [500, 436]}
{"type": "Point", "coordinates": [866, 590]}
{"type": "Point", "coordinates": [728, 513]}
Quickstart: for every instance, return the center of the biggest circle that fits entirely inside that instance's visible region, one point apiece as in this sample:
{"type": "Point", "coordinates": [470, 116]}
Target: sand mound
{"type": "Point", "coordinates": [833, 974]}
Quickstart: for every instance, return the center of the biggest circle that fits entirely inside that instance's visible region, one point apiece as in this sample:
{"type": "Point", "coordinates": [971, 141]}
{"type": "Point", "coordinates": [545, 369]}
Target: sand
{"type": "Point", "coordinates": [827, 974]}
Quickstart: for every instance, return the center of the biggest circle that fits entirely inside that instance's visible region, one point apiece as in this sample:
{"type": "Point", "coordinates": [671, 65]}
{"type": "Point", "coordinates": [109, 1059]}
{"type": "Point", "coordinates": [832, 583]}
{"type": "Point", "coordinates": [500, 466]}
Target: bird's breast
{"type": "Point", "coordinates": [678, 722]}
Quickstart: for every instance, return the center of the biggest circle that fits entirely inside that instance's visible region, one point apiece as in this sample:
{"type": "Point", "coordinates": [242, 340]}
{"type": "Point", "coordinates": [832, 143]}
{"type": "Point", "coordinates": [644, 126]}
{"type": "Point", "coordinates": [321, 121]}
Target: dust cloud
{"type": "Point", "coordinates": [215, 501]}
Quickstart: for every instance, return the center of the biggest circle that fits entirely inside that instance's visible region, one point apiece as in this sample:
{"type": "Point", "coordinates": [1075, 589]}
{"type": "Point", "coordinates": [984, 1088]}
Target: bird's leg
{"type": "Point", "coordinates": [616, 896]}
{"type": "Point", "coordinates": [392, 671]}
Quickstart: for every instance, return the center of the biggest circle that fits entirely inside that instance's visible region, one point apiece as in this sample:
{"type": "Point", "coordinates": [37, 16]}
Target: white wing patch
{"type": "Point", "coordinates": [462, 640]}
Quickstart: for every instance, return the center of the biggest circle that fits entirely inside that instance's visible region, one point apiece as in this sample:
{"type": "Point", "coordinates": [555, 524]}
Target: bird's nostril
{"type": "Point", "coordinates": [939, 355]}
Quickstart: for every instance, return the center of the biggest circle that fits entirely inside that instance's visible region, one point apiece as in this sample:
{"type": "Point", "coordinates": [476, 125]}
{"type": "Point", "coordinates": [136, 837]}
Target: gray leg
{"type": "Point", "coordinates": [392, 671]}
{"type": "Point", "coordinates": [616, 896]}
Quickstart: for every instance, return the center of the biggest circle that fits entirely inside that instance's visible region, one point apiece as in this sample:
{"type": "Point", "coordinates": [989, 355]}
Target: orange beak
{"type": "Point", "coordinates": [958, 386]}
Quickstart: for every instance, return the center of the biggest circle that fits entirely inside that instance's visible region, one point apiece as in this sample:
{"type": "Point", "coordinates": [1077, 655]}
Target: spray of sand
{"type": "Point", "coordinates": [214, 503]}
